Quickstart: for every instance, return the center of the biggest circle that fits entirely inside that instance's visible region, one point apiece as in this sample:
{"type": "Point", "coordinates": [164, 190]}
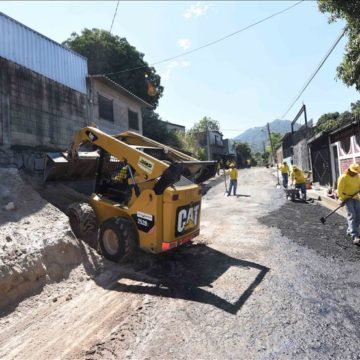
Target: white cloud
{"type": "Point", "coordinates": [184, 43]}
{"type": "Point", "coordinates": [171, 66]}
{"type": "Point", "coordinates": [195, 10]}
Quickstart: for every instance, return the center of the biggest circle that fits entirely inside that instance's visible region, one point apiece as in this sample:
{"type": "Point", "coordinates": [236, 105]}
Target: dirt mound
{"type": "Point", "coordinates": [36, 242]}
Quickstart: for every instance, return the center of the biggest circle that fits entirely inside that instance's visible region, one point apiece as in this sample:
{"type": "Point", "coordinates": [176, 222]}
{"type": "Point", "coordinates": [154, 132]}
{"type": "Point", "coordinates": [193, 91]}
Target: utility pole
{"type": "Point", "coordinates": [273, 153]}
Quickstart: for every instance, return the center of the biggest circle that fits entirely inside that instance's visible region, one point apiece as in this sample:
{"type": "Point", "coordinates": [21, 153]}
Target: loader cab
{"type": "Point", "coordinates": [112, 178]}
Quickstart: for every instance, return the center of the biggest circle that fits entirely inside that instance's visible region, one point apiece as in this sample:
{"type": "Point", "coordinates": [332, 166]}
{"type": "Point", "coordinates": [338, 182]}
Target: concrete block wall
{"type": "Point", "coordinates": [301, 155]}
{"type": "Point", "coordinates": [345, 163]}
{"type": "Point", "coordinates": [36, 112]}
{"type": "Point", "coordinates": [121, 105]}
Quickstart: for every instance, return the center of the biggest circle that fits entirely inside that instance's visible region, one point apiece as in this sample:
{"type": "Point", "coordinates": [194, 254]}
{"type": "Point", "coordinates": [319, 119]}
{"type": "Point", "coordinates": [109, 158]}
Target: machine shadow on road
{"type": "Point", "coordinates": [184, 273]}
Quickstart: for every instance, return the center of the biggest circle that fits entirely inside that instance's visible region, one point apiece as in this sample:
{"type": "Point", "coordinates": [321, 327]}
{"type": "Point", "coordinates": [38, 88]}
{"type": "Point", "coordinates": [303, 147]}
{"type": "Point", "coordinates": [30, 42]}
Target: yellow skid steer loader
{"type": "Point", "coordinates": [146, 195]}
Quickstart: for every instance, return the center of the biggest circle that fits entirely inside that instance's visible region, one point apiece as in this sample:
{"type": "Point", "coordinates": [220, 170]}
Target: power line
{"type": "Point", "coordinates": [315, 72]}
{"type": "Point", "coordinates": [210, 43]}
{"type": "Point", "coordinates": [112, 23]}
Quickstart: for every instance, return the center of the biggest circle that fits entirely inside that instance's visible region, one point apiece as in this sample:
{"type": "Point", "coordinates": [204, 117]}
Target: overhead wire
{"type": "Point", "coordinates": [210, 43]}
{"type": "Point", "coordinates": [315, 72]}
{"type": "Point", "coordinates": [112, 23]}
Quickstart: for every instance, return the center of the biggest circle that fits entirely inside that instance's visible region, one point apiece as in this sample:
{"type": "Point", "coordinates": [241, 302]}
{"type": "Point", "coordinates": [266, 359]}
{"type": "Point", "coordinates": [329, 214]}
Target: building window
{"type": "Point", "coordinates": [133, 120]}
{"type": "Point", "coordinates": [345, 145]}
{"type": "Point", "coordinates": [106, 109]}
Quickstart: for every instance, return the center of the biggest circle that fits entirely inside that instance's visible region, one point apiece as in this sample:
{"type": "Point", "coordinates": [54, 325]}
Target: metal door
{"type": "Point", "coordinates": [321, 165]}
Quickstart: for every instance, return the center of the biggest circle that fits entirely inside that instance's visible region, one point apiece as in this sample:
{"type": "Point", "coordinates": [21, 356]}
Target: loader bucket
{"type": "Point", "coordinates": [59, 168]}
{"type": "Point", "coordinates": [199, 171]}
{"type": "Point", "coordinates": [196, 171]}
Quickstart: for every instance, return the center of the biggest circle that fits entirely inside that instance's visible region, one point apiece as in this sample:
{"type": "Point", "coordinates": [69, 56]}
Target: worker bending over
{"type": "Point", "coordinates": [348, 185]}
{"type": "Point", "coordinates": [285, 171]}
{"type": "Point", "coordinates": [233, 178]}
{"type": "Point", "coordinates": [299, 178]}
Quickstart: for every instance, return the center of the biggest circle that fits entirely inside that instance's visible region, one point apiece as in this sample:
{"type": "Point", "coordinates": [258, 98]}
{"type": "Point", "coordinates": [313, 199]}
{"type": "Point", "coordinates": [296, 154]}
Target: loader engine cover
{"type": "Point", "coordinates": [187, 218]}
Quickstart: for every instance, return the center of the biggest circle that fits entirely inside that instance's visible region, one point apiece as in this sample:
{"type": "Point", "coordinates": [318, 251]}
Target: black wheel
{"type": "Point", "coordinates": [118, 239]}
{"type": "Point", "coordinates": [83, 222]}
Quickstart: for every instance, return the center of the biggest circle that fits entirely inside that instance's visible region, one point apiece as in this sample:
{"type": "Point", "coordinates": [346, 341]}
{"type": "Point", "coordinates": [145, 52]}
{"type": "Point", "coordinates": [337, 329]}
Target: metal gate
{"type": "Point", "coordinates": [321, 166]}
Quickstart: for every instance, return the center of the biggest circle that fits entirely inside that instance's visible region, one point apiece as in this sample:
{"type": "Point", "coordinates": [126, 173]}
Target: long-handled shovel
{"type": "Point", "coordinates": [323, 219]}
{"type": "Point", "coordinates": [226, 188]}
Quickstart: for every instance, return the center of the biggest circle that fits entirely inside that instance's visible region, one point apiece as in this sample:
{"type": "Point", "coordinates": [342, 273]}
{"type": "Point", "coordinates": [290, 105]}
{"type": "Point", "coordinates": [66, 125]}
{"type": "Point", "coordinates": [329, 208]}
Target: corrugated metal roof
{"type": "Point", "coordinates": [26, 47]}
{"type": "Point", "coordinates": [115, 85]}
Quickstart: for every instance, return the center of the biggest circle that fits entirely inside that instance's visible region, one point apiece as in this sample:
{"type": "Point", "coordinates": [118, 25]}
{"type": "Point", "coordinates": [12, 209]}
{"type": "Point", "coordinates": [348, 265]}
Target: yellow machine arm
{"type": "Point", "coordinates": [136, 139]}
{"type": "Point", "coordinates": [139, 152]}
{"type": "Point", "coordinates": [145, 165]}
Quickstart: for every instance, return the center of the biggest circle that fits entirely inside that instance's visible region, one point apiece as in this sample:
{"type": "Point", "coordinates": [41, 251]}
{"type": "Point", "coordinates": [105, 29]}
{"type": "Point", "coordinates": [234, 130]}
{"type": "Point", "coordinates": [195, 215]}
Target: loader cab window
{"type": "Point", "coordinates": [112, 178]}
{"type": "Point", "coordinates": [106, 108]}
{"type": "Point", "coordinates": [133, 120]}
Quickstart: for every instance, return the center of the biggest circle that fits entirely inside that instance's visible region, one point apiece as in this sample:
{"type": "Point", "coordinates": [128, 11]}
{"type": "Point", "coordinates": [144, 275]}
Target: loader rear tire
{"type": "Point", "coordinates": [83, 223]}
{"type": "Point", "coordinates": [118, 239]}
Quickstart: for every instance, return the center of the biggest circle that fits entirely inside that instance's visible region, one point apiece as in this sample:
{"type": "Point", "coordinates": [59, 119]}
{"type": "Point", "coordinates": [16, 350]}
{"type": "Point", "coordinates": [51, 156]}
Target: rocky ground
{"type": "Point", "coordinates": [265, 280]}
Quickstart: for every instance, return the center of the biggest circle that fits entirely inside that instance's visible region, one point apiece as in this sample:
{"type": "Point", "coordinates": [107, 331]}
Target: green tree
{"type": "Point", "coordinates": [345, 118]}
{"type": "Point", "coordinates": [206, 123]}
{"type": "Point", "coordinates": [258, 158]}
{"type": "Point", "coordinates": [193, 141]}
{"type": "Point", "coordinates": [265, 155]}
{"type": "Point", "coordinates": [276, 140]}
{"type": "Point", "coordinates": [243, 153]}
{"type": "Point", "coordinates": [188, 143]}
{"type": "Point", "coordinates": [107, 53]}
{"type": "Point", "coordinates": [355, 108]}
{"type": "Point", "coordinates": [155, 129]}
{"type": "Point", "coordinates": [349, 11]}
{"type": "Point", "coordinates": [327, 122]}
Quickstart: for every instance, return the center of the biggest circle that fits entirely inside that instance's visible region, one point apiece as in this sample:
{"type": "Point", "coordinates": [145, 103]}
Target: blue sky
{"type": "Point", "coordinates": [244, 81]}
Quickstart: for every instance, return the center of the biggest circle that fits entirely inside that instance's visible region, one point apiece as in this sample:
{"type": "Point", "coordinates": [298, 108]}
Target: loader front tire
{"type": "Point", "coordinates": [117, 239]}
{"type": "Point", "coordinates": [83, 222]}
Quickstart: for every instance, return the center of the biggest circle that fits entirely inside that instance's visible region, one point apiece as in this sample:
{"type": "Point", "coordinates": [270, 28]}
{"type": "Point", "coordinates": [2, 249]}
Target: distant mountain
{"type": "Point", "coordinates": [256, 137]}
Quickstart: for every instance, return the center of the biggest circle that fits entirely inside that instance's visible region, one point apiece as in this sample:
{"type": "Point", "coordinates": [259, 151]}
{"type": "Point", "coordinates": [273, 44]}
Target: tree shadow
{"type": "Point", "coordinates": [183, 274]}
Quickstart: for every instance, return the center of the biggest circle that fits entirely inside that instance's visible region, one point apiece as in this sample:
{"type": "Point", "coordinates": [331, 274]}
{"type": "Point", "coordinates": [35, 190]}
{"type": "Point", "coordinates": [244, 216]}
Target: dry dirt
{"type": "Point", "coordinates": [249, 289]}
{"type": "Point", "coordinates": [37, 246]}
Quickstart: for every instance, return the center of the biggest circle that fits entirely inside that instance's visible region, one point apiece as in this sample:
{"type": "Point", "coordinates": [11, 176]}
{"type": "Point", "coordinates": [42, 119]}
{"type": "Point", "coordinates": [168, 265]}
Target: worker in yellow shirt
{"type": "Point", "coordinates": [119, 181]}
{"type": "Point", "coordinates": [285, 171]}
{"type": "Point", "coordinates": [348, 185]}
{"type": "Point", "coordinates": [233, 178]}
{"type": "Point", "coordinates": [298, 176]}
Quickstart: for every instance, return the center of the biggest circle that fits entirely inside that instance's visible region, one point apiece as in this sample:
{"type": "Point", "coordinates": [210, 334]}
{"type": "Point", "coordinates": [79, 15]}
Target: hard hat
{"type": "Point", "coordinates": [355, 168]}
{"type": "Point", "coordinates": [232, 165]}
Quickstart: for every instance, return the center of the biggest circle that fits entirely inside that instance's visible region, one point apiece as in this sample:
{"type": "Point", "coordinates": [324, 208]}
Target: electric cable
{"type": "Point", "coordinates": [112, 23]}
{"type": "Point", "coordinates": [315, 72]}
{"type": "Point", "coordinates": [210, 43]}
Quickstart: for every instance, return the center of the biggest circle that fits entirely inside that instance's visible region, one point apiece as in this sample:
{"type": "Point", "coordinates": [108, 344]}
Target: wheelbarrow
{"type": "Point", "coordinates": [292, 194]}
